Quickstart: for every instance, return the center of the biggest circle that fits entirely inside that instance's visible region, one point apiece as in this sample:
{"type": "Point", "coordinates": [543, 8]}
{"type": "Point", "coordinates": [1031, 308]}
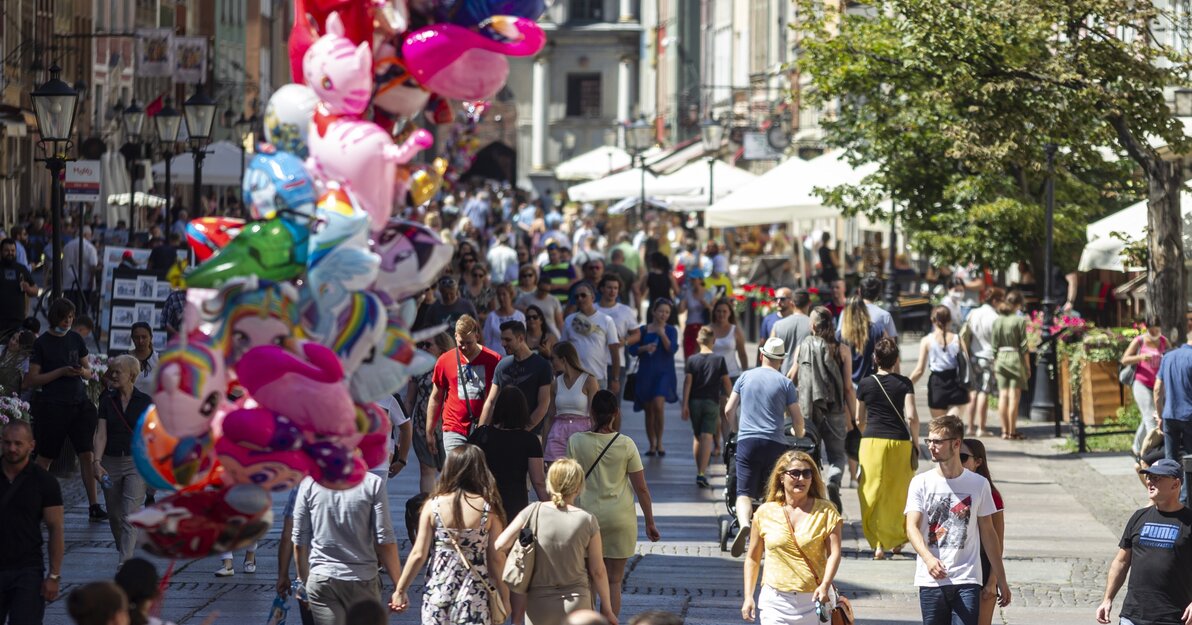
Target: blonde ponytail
{"type": "Point", "coordinates": [564, 479]}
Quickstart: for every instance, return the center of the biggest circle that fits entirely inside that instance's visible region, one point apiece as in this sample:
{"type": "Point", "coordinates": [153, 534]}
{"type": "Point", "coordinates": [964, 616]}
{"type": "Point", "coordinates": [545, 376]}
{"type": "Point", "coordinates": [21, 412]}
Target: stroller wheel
{"type": "Point", "coordinates": [726, 529]}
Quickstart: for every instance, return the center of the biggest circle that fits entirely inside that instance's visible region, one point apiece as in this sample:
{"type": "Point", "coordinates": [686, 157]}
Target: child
{"type": "Point", "coordinates": [704, 384]}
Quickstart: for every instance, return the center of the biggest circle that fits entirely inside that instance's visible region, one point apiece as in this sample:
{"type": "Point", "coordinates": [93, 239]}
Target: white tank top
{"type": "Point", "coordinates": [941, 357]}
{"type": "Point", "coordinates": [571, 400]}
{"type": "Point", "coordinates": [727, 346]}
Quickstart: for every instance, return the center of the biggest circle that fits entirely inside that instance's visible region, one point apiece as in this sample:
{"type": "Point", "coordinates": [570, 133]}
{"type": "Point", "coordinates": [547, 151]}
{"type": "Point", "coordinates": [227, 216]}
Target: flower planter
{"type": "Point", "coordinates": [1100, 393]}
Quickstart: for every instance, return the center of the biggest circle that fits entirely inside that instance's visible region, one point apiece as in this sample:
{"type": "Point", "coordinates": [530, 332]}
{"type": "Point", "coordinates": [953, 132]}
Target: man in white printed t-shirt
{"type": "Point", "coordinates": [594, 335]}
{"type": "Point", "coordinates": [401, 436]}
{"type": "Point", "coordinates": [628, 331]}
{"type": "Point", "coordinates": [949, 520]}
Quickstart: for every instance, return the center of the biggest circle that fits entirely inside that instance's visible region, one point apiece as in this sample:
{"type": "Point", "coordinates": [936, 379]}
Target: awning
{"type": "Point", "coordinates": [631, 202]}
{"type": "Point", "coordinates": [787, 193]}
{"type": "Point", "coordinates": [675, 158]}
{"type": "Point", "coordinates": [139, 199]}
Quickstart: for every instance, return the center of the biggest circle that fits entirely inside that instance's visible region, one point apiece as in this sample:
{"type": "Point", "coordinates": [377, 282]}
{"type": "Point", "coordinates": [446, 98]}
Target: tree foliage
{"type": "Point", "coordinates": [956, 99]}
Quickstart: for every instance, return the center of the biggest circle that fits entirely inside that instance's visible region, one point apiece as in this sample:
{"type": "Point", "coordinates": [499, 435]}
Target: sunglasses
{"type": "Point", "coordinates": [965, 457]}
{"type": "Point", "coordinates": [782, 299]}
{"type": "Point", "coordinates": [479, 274]}
{"type": "Point", "coordinates": [581, 296]}
{"type": "Point", "coordinates": [533, 318]}
{"type": "Point", "coordinates": [798, 473]}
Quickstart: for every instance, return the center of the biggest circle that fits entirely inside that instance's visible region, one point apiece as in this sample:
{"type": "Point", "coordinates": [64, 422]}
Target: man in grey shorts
{"type": "Point", "coordinates": [982, 383]}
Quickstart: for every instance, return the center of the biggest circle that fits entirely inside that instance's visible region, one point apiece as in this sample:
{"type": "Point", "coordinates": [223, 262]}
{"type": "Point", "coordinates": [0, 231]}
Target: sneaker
{"type": "Point", "coordinates": [250, 567]}
{"type": "Point", "coordinates": [96, 513]}
{"type": "Point", "coordinates": [226, 572]}
{"type": "Point", "coordinates": [738, 547]}
{"type": "Point", "coordinates": [701, 481]}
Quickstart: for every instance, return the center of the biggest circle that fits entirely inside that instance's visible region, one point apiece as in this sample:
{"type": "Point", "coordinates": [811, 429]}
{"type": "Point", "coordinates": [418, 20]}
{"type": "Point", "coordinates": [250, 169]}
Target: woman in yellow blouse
{"type": "Point", "coordinates": [799, 567]}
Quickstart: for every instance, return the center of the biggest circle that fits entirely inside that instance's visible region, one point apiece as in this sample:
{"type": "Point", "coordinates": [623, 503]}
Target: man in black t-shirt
{"type": "Point", "coordinates": [15, 284]}
{"type": "Point", "coordinates": [1156, 548]}
{"type": "Point", "coordinates": [29, 496]}
{"type": "Point", "coordinates": [525, 369]}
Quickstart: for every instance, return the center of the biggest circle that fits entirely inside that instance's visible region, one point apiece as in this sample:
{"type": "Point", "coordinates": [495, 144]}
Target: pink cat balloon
{"type": "Point", "coordinates": [343, 147]}
{"type": "Point", "coordinates": [459, 63]}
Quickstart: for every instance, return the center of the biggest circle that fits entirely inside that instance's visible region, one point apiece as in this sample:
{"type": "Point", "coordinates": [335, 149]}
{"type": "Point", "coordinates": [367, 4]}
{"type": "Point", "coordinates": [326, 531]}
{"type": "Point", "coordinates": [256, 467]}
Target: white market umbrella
{"type": "Point", "coordinates": [787, 193]}
{"type": "Point", "coordinates": [597, 163]}
{"type": "Point", "coordinates": [625, 184]}
{"type": "Point", "coordinates": [631, 202]}
{"type": "Point", "coordinates": [724, 179]}
{"type": "Point", "coordinates": [221, 166]}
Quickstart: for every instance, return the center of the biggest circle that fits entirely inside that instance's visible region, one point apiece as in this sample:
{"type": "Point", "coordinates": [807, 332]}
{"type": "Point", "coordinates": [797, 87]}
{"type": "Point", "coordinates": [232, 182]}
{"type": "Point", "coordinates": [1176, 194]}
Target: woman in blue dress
{"type": "Point", "coordinates": [656, 380]}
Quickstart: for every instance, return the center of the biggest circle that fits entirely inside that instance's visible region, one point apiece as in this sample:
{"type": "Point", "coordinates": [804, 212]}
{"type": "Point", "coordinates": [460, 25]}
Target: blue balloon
{"type": "Point", "coordinates": [276, 184]}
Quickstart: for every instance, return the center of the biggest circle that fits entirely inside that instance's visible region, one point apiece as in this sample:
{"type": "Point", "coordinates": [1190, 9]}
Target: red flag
{"type": "Point", "coordinates": [155, 106]}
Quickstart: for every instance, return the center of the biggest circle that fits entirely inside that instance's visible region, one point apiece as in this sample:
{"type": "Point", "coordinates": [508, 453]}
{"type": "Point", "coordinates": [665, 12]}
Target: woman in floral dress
{"type": "Point", "coordinates": [461, 517]}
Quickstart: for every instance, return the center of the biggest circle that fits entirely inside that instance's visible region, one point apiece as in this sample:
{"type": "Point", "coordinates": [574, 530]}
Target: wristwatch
{"type": "Point", "coordinates": [54, 576]}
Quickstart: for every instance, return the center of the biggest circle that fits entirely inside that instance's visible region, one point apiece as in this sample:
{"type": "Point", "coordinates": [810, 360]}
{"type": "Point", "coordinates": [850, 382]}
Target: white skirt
{"type": "Point", "coordinates": [777, 607]}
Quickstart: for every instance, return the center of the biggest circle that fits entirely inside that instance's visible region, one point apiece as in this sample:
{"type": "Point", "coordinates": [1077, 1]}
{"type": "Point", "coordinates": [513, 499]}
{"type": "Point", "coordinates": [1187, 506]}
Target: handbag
{"type": "Point", "coordinates": [914, 447]}
{"type": "Point", "coordinates": [496, 605]}
{"type": "Point", "coordinates": [629, 393]}
{"type": "Point", "coordinates": [1126, 374]}
{"type": "Point", "coordinates": [519, 567]}
{"type": "Point", "coordinates": [842, 614]}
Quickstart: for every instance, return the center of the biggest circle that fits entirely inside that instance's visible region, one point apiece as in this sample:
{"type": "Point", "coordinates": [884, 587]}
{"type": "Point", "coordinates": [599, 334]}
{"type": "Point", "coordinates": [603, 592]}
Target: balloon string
{"type": "Point", "coordinates": [161, 589]}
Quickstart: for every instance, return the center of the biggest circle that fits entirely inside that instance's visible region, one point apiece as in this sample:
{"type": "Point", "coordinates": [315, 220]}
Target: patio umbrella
{"type": "Point", "coordinates": [140, 199]}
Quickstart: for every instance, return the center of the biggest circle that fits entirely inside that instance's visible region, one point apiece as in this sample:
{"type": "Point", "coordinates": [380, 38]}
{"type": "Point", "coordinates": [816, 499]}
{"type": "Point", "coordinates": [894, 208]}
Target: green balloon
{"type": "Point", "coordinates": [272, 250]}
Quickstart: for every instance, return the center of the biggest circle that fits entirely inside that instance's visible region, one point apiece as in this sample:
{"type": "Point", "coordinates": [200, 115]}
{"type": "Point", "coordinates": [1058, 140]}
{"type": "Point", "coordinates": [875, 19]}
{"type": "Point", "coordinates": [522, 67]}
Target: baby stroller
{"type": "Point", "coordinates": [729, 526]}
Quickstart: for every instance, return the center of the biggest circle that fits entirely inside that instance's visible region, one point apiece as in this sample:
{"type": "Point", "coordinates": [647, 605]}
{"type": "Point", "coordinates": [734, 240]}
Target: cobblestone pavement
{"type": "Point", "coordinates": [1064, 514]}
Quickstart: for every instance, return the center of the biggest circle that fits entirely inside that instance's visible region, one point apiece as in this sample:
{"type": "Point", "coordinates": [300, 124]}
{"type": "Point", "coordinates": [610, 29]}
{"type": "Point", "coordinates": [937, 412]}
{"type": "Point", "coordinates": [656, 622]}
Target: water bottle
{"type": "Point", "coordinates": [106, 480]}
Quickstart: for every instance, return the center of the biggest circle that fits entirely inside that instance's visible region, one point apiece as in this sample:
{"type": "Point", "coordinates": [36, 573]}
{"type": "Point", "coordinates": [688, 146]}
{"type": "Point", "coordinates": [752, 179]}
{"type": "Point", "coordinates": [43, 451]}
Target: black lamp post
{"type": "Point", "coordinates": [55, 103]}
{"type": "Point", "coordinates": [133, 119]}
{"type": "Point", "coordinates": [167, 123]}
{"type": "Point", "coordinates": [244, 127]}
{"type": "Point", "coordinates": [199, 112]}
{"type": "Point", "coordinates": [638, 138]}
{"type": "Point", "coordinates": [1043, 400]}
{"type": "Point", "coordinates": [711, 134]}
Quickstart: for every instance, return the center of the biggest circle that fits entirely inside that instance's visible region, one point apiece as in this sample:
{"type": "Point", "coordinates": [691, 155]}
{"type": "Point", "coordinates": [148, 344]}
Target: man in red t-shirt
{"type": "Point", "coordinates": [475, 364]}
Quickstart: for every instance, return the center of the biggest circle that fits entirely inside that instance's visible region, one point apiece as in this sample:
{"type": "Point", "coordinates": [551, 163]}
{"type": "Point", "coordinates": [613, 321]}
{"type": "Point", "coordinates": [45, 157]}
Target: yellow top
{"type": "Point", "coordinates": [785, 569]}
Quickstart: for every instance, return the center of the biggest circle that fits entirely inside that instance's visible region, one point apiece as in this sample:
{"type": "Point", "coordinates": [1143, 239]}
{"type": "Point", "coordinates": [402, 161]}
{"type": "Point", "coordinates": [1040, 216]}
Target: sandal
{"type": "Point", "coordinates": [1017, 437]}
{"type": "Point", "coordinates": [879, 555]}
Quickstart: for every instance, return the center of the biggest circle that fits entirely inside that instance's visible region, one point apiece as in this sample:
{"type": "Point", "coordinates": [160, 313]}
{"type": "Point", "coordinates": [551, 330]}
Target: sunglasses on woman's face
{"type": "Point", "coordinates": [798, 473]}
{"type": "Point", "coordinates": [965, 457]}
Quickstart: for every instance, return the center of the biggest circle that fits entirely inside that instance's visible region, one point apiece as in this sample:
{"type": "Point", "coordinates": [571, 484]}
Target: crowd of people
{"type": "Point", "coordinates": [545, 330]}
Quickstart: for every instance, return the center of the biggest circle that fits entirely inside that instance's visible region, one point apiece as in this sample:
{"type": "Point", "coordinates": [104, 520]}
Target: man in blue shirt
{"type": "Point", "coordinates": [782, 308]}
{"type": "Point", "coordinates": [758, 406]}
{"type": "Point", "coordinates": [1173, 401]}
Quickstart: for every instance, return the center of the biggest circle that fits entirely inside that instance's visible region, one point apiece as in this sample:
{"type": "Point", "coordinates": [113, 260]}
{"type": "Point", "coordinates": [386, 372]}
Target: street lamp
{"type": "Point", "coordinates": [711, 133]}
{"type": "Point", "coordinates": [167, 123]}
{"type": "Point", "coordinates": [54, 104]}
{"type": "Point", "coordinates": [639, 136]}
{"type": "Point", "coordinates": [1043, 400]}
{"type": "Point", "coordinates": [199, 112]}
{"type": "Point", "coordinates": [133, 119]}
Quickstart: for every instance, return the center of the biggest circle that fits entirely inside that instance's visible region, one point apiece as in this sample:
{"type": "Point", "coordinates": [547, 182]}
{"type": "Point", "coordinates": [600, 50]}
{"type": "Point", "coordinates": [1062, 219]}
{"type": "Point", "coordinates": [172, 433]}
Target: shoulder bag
{"type": "Point", "coordinates": [496, 605]}
{"type": "Point", "coordinates": [519, 566]}
{"type": "Point", "coordinates": [463, 384]}
{"type": "Point", "coordinates": [602, 452]}
{"type": "Point", "coordinates": [914, 447]}
{"type": "Point", "coordinates": [842, 614]}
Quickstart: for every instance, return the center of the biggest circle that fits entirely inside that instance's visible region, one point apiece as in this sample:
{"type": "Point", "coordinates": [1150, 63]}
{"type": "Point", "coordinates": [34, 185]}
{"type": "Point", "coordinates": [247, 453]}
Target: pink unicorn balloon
{"type": "Point", "coordinates": [459, 63]}
{"type": "Point", "coordinates": [343, 147]}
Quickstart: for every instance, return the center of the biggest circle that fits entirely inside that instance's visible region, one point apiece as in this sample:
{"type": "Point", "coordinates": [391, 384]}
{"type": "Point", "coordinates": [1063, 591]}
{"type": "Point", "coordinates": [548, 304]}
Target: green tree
{"type": "Point", "coordinates": [956, 100]}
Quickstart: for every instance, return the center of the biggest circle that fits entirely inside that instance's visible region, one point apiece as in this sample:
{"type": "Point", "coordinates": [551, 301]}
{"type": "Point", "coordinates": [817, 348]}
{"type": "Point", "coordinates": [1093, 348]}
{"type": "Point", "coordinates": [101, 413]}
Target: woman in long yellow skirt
{"type": "Point", "coordinates": [890, 438]}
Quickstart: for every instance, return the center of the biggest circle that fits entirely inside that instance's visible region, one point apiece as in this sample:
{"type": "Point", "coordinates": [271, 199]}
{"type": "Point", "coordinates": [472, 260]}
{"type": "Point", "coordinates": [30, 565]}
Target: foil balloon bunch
{"type": "Point", "coordinates": [298, 319]}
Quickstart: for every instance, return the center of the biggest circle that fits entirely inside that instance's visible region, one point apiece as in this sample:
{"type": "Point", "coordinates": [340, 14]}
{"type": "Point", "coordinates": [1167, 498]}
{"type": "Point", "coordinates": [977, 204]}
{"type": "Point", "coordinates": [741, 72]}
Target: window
{"type": "Point", "coordinates": [583, 95]}
{"type": "Point", "coordinates": [586, 10]}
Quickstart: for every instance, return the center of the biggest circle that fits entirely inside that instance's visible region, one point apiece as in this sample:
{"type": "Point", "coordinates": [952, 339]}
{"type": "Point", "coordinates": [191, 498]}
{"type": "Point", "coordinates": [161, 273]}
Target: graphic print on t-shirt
{"type": "Point", "coordinates": [947, 523]}
{"type": "Point", "coordinates": [1159, 535]}
{"type": "Point", "coordinates": [472, 379]}
{"type": "Point", "coordinates": [581, 325]}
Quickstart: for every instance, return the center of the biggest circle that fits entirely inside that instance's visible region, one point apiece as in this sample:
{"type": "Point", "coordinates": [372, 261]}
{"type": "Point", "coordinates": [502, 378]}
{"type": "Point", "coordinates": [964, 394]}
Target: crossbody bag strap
{"type": "Point", "coordinates": [795, 542]}
{"type": "Point", "coordinates": [467, 563]}
{"type": "Point", "coordinates": [602, 452]}
{"type": "Point", "coordinates": [463, 384]}
{"type": "Point", "coordinates": [115, 399]}
{"type": "Point", "coordinates": [896, 410]}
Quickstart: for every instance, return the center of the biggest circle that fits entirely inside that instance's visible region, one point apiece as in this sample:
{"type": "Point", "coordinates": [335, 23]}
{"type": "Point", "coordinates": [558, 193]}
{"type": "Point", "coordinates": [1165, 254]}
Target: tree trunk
{"type": "Point", "coordinates": [1165, 282]}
